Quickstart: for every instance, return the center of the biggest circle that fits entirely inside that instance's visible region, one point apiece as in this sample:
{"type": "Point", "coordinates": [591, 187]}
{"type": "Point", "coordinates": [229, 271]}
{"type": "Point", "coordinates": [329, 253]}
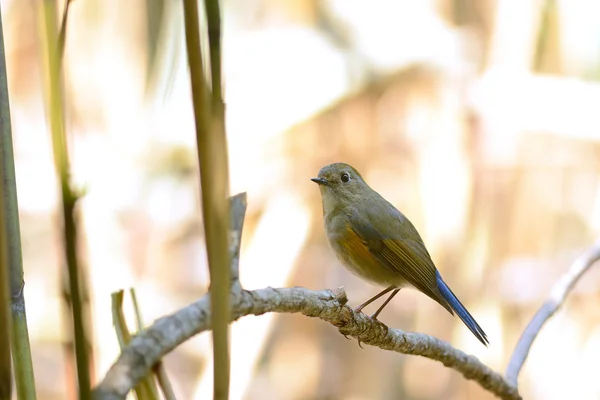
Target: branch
{"type": "Point", "coordinates": [237, 212]}
{"type": "Point", "coordinates": [147, 348]}
{"type": "Point", "coordinates": [559, 293]}
{"type": "Point", "coordinates": [168, 332]}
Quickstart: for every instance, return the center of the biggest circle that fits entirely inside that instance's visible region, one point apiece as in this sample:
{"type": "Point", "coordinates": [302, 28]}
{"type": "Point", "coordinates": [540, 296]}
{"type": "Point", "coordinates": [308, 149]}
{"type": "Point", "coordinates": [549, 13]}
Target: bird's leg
{"type": "Point", "coordinates": [372, 299]}
{"type": "Point", "coordinates": [374, 316]}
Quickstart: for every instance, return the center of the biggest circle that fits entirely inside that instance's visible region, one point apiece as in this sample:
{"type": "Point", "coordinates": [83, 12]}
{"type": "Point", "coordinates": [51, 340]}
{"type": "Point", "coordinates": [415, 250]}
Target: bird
{"type": "Point", "coordinates": [375, 241]}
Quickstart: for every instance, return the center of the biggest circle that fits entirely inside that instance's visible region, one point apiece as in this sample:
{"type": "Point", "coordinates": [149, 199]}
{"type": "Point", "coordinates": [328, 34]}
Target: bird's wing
{"type": "Point", "coordinates": [398, 247]}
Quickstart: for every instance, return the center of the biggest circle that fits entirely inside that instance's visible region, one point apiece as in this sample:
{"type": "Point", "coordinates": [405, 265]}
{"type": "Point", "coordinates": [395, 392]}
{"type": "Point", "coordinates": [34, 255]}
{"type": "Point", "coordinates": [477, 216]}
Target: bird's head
{"type": "Point", "coordinates": [340, 185]}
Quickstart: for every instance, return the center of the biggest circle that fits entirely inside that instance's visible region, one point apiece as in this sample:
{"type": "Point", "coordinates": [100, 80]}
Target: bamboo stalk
{"type": "Point", "coordinates": [214, 177]}
{"type": "Point", "coordinates": [146, 389]}
{"type": "Point", "coordinates": [213, 19]}
{"type": "Point", "coordinates": [21, 351]}
{"type": "Point", "coordinates": [5, 322]}
{"type": "Point", "coordinates": [55, 49]}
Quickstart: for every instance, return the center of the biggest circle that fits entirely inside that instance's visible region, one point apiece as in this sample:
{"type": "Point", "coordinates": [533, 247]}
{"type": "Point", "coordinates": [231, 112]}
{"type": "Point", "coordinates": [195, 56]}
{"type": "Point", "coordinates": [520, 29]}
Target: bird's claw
{"type": "Point", "coordinates": [349, 338]}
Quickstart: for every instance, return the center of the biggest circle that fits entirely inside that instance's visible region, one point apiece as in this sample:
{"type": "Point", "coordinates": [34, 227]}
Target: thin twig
{"type": "Point", "coordinates": [139, 321]}
{"type": "Point", "coordinates": [164, 382]}
{"type": "Point", "coordinates": [145, 389]}
{"type": "Point", "coordinates": [123, 336]}
{"type": "Point", "coordinates": [559, 293]}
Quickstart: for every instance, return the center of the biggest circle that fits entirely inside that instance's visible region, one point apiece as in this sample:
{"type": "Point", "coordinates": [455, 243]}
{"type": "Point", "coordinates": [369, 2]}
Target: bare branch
{"type": "Point", "coordinates": [147, 348]}
{"type": "Point", "coordinates": [559, 293]}
{"type": "Point", "coordinates": [168, 332]}
{"type": "Point", "coordinates": [237, 215]}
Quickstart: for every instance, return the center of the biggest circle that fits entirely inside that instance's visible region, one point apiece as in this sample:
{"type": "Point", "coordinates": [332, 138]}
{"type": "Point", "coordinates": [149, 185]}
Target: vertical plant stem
{"type": "Point", "coordinates": [21, 351]}
{"type": "Point", "coordinates": [213, 19]}
{"type": "Point", "coordinates": [62, 34]}
{"type": "Point", "coordinates": [5, 322]}
{"type": "Point", "coordinates": [214, 177]}
{"type": "Point", "coordinates": [146, 389]}
{"type": "Point", "coordinates": [68, 195]}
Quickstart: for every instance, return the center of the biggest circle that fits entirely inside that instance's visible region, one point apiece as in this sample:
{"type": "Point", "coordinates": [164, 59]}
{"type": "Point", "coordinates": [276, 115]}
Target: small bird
{"type": "Point", "coordinates": [378, 243]}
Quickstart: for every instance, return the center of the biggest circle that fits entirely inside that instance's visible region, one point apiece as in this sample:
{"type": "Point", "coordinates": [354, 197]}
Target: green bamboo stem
{"type": "Point", "coordinates": [214, 177]}
{"type": "Point", "coordinates": [213, 19]}
{"type": "Point", "coordinates": [21, 351]}
{"type": "Point", "coordinates": [5, 322]}
{"type": "Point", "coordinates": [62, 34]}
{"type": "Point", "coordinates": [55, 48]}
{"type": "Point", "coordinates": [146, 389]}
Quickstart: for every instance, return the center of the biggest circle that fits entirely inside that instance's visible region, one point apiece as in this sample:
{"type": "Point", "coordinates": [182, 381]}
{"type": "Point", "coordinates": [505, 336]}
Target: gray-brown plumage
{"type": "Point", "coordinates": [378, 243]}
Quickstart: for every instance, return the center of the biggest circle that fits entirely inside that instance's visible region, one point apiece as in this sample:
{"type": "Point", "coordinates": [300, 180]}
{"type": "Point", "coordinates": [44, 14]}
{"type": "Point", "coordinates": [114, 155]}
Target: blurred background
{"type": "Point", "coordinates": [479, 119]}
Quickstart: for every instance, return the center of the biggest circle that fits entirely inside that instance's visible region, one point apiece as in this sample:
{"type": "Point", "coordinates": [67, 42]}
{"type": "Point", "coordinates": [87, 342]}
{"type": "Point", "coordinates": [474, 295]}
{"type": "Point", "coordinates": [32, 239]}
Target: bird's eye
{"type": "Point", "coordinates": [345, 177]}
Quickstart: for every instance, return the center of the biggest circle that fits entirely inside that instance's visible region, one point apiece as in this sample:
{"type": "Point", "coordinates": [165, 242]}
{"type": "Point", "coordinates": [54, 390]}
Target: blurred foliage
{"type": "Point", "coordinates": [547, 57]}
{"type": "Point", "coordinates": [162, 47]}
{"type": "Point", "coordinates": [178, 161]}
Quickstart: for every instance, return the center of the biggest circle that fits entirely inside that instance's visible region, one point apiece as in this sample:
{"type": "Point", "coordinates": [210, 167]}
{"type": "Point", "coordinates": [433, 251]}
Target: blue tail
{"type": "Point", "coordinates": [462, 312]}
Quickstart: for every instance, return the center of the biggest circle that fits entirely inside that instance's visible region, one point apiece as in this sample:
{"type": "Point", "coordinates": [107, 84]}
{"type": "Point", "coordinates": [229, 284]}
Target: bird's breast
{"type": "Point", "coordinates": [354, 254]}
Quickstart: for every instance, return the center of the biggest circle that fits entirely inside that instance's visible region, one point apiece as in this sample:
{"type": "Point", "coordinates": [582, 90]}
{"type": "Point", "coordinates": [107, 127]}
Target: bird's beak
{"type": "Point", "coordinates": [320, 181]}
